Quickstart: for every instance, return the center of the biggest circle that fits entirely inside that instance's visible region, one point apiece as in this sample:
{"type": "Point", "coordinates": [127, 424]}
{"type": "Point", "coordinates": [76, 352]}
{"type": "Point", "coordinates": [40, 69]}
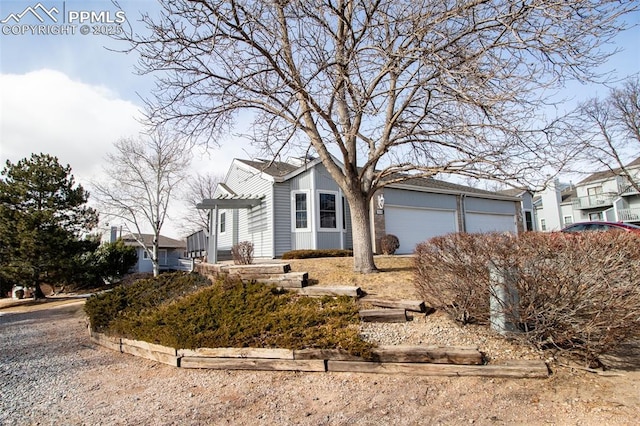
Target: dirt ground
{"type": "Point", "coordinates": [87, 384]}
{"type": "Point", "coordinates": [112, 388]}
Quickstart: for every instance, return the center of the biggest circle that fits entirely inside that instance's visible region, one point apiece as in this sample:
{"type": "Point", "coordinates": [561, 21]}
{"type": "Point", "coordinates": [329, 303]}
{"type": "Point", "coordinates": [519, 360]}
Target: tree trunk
{"type": "Point", "coordinates": [38, 294]}
{"type": "Point", "coordinates": [361, 231]}
{"type": "Point", "coordinates": [154, 259]}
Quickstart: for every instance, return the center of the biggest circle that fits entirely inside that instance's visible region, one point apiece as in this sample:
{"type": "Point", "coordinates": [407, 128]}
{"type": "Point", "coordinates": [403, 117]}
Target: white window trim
{"type": "Point", "coordinates": [293, 211]}
{"type": "Point", "coordinates": [338, 205]}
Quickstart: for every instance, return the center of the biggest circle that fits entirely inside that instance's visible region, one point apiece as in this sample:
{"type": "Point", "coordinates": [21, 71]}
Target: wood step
{"type": "Point", "coordinates": [332, 291]}
{"type": "Point", "coordinates": [383, 315]}
{"type": "Point", "coordinates": [409, 305]}
{"type": "Point", "coordinates": [261, 268]}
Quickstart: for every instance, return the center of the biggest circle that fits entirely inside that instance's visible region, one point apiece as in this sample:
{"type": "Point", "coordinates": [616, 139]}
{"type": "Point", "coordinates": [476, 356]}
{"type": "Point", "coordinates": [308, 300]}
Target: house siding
{"type": "Point", "coordinates": [328, 238]}
{"type": "Point", "coordinates": [300, 240]}
{"type": "Point", "coordinates": [282, 219]}
{"type": "Point", "coordinates": [483, 205]}
{"type": "Point", "coordinates": [348, 235]}
{"type": "Point", "coordinates": [252, 224]}
{"type": "Point", "coordinates": [405, 198]}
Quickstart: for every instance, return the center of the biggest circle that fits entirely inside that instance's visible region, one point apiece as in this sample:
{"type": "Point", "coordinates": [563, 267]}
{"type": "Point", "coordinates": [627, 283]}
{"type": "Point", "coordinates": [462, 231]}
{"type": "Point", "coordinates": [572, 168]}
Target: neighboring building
{"type": "Point", "coordinates": [528, 218]}
{"type": "Point", "coordinates": [170, 252]}
{"type": "Point", "coordinates": [282, 206]}
{"type": "Point", "coordinates": [602, 196]}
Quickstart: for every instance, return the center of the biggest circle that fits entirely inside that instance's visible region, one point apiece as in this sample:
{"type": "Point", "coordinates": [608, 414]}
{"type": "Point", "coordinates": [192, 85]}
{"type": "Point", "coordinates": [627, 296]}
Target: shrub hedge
{"type": "Point", "coordinates": [228, 314]}
{"type": "Point", "coordinates": [578, 293]}
{"type": "Point", "coordinates": [389, 244]}
{"type": "Point", "coordinates": [312, 254]}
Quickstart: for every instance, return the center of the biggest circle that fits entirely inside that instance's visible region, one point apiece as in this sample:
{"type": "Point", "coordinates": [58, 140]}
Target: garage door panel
{"type": "Point", "coordinates": [483, 222]}
{"type": "Point", "coordinates": [413, 226]}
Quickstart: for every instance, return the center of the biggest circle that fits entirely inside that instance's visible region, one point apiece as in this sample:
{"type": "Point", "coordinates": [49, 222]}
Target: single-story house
{"type": "Point", "coordinates": [282, 206]}
{"type": "Point", "coordinates": [170, 251]}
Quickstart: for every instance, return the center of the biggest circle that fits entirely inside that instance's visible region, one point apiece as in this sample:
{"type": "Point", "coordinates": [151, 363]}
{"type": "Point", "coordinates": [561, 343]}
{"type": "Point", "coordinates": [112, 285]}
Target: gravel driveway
{"type": "Point", "coordinates": [51, 374]}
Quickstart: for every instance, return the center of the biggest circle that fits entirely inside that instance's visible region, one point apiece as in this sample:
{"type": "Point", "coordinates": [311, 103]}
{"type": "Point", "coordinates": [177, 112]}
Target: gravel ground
{"type": "Point", "coordinates": [52, 375]}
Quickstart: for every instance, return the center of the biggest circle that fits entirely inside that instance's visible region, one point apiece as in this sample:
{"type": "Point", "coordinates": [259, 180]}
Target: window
{"type": "Point", "coordinates": [596, 216]}
{"type": "Point", "coordinates": [568, 220]}
{"type": "Point", "coordinates": [223, 222]}
{"type": "Point", "coordinates": [594, 195]}
{"type": "Point", "coordinates": [145, 255]}
{"type": "Point", "coordinates": [528, 217]}
{"type": "Point", "coordinates": [300, 211]}
{"type": "Point", "coordinates": [328, 217]}
{"type": "Point", "coordinates": [543, 224]}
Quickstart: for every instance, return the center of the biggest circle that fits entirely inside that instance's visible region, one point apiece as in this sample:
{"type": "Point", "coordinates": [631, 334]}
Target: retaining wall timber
{"type": "Point", "coordinates": [412, 360]}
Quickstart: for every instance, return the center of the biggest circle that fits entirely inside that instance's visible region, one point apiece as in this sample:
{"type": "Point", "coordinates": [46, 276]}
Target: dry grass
{"type": "Point", "coordinates": [395, 279]}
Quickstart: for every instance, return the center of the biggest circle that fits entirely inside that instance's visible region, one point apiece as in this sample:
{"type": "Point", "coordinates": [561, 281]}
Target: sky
{"type": "Point", "coordinates": [70, 95]}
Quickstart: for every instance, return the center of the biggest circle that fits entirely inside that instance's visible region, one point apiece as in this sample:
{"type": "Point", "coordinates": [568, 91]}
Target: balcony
{"type": "Point", "coordinates": [626, 188]}
{"type": "Point", "coordinates": [629, 215]}
{"type": "Point", "coordinates": [595, 201]}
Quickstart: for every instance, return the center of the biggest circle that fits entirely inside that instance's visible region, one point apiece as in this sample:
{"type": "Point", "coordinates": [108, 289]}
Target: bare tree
{"type": "Point", "coordinates": [197, 188]}
{"type": "Point", "coordinates": [141, 179]}
{"type": "Point", "coordinates": [607, 130]}
{"type": "Point", "coordinates": [381, 90]}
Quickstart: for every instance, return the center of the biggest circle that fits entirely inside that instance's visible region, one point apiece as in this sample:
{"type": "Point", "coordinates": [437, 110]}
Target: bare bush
{"type": "Point", "coordinates": [389, 244]}
{"type": "Point", "coordinates": [242, 253]}
{"type": "Point", "coordinates": [578, 294]}
{"type": "Point", "coordinates": [452, 274]}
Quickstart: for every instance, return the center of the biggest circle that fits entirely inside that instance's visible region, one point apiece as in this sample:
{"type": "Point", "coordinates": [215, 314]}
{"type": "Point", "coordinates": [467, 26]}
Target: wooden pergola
{"type": "Point", "coordinates": [225, 202]}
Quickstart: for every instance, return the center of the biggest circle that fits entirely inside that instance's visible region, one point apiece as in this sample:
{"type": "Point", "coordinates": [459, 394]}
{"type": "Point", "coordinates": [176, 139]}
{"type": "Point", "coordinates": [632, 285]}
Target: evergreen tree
{"type": "Point", "coordinates": [43, 214]}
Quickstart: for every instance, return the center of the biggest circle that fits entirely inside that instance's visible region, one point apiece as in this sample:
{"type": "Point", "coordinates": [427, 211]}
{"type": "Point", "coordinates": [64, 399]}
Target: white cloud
{"type": "Point", "coordinates": [45, 111]}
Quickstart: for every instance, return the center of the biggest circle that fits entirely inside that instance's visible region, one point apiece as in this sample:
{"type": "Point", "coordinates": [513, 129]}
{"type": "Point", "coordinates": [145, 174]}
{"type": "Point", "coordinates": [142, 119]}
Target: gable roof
{"type": "Point", "coordinates": [163, 242]}
{"type": "Point", "coordinates": [513, 192]}
{"type": "Point", "coordinates": [435, 185]}
{"type": "Point", "coordinates": [271, 168]}
{"type": "Point", "coordinates": [283, 170]}
{"type": "Point", "coordinates": [607, 174]}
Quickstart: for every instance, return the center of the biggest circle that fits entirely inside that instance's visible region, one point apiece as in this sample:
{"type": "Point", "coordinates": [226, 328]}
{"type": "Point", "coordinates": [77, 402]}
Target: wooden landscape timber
{"type": "Point", "coordinates": [150, 351]}
{"type": "Point", "coordinates": [530, 369]}
{"type": "Point", "coordinates": [466, 355]}
{"type": "Point", "coordinates": [253, 364]}
{"type": "Point", "coordinates": [112, 343]}
{"type": "Point", "coordinates": [415, 360]}
{"type": "Point", "coordinates": [428, 354]}
{"type": "Point", "coordinates": [291, 280]}
{"type": "Point", "coordinates": [332, 291]}
{"type": "Point", "coordinates": [266, 353]}
{"type": "Point", "coordinates": [260, 268]}
{"type": "Point", "coordinates": [409, 305]}
{"type": "Point", "coordinates": [383, 315]}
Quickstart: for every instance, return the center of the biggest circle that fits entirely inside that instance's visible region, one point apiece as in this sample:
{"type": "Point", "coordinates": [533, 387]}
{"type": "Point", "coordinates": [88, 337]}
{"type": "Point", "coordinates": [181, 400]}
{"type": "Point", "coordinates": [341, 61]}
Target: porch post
{"type": "Point", "coordinates": [212, 249]}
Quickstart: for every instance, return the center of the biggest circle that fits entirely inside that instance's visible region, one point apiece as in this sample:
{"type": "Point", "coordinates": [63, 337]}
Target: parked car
{"type": "Point", "coordinates": [602, 226]}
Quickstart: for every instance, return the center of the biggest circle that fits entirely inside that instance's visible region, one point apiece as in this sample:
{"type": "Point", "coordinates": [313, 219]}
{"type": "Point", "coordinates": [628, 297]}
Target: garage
{"type": "Point", "coordinates": [415, 225]}
{"type": "Point", "coordinates": [488, 222]}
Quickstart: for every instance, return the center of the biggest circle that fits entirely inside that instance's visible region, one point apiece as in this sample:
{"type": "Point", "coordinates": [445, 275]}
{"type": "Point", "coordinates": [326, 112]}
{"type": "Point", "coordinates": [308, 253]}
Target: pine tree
{"type": "Point", "coordinates": [43, 215]}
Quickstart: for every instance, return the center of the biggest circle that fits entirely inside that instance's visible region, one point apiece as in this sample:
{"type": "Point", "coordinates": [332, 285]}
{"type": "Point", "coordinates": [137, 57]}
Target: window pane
{"type": "Point", "coordinates": [301, 211]}
{"type": "Point", "coordinates": [301, 219]}
{"type": "Point", "coordinates": [301, 202]}
{"type": "Point", "coordinates": [328, 211]}
{"type": "Point", "coordinates": [223, 222]}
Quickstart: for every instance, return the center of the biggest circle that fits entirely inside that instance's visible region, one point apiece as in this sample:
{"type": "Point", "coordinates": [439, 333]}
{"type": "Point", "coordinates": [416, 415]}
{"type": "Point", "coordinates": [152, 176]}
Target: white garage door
{"type": "Point", "coordinates": [484, 222]}
{"type": "Point", "coordinates": [413, 226]}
